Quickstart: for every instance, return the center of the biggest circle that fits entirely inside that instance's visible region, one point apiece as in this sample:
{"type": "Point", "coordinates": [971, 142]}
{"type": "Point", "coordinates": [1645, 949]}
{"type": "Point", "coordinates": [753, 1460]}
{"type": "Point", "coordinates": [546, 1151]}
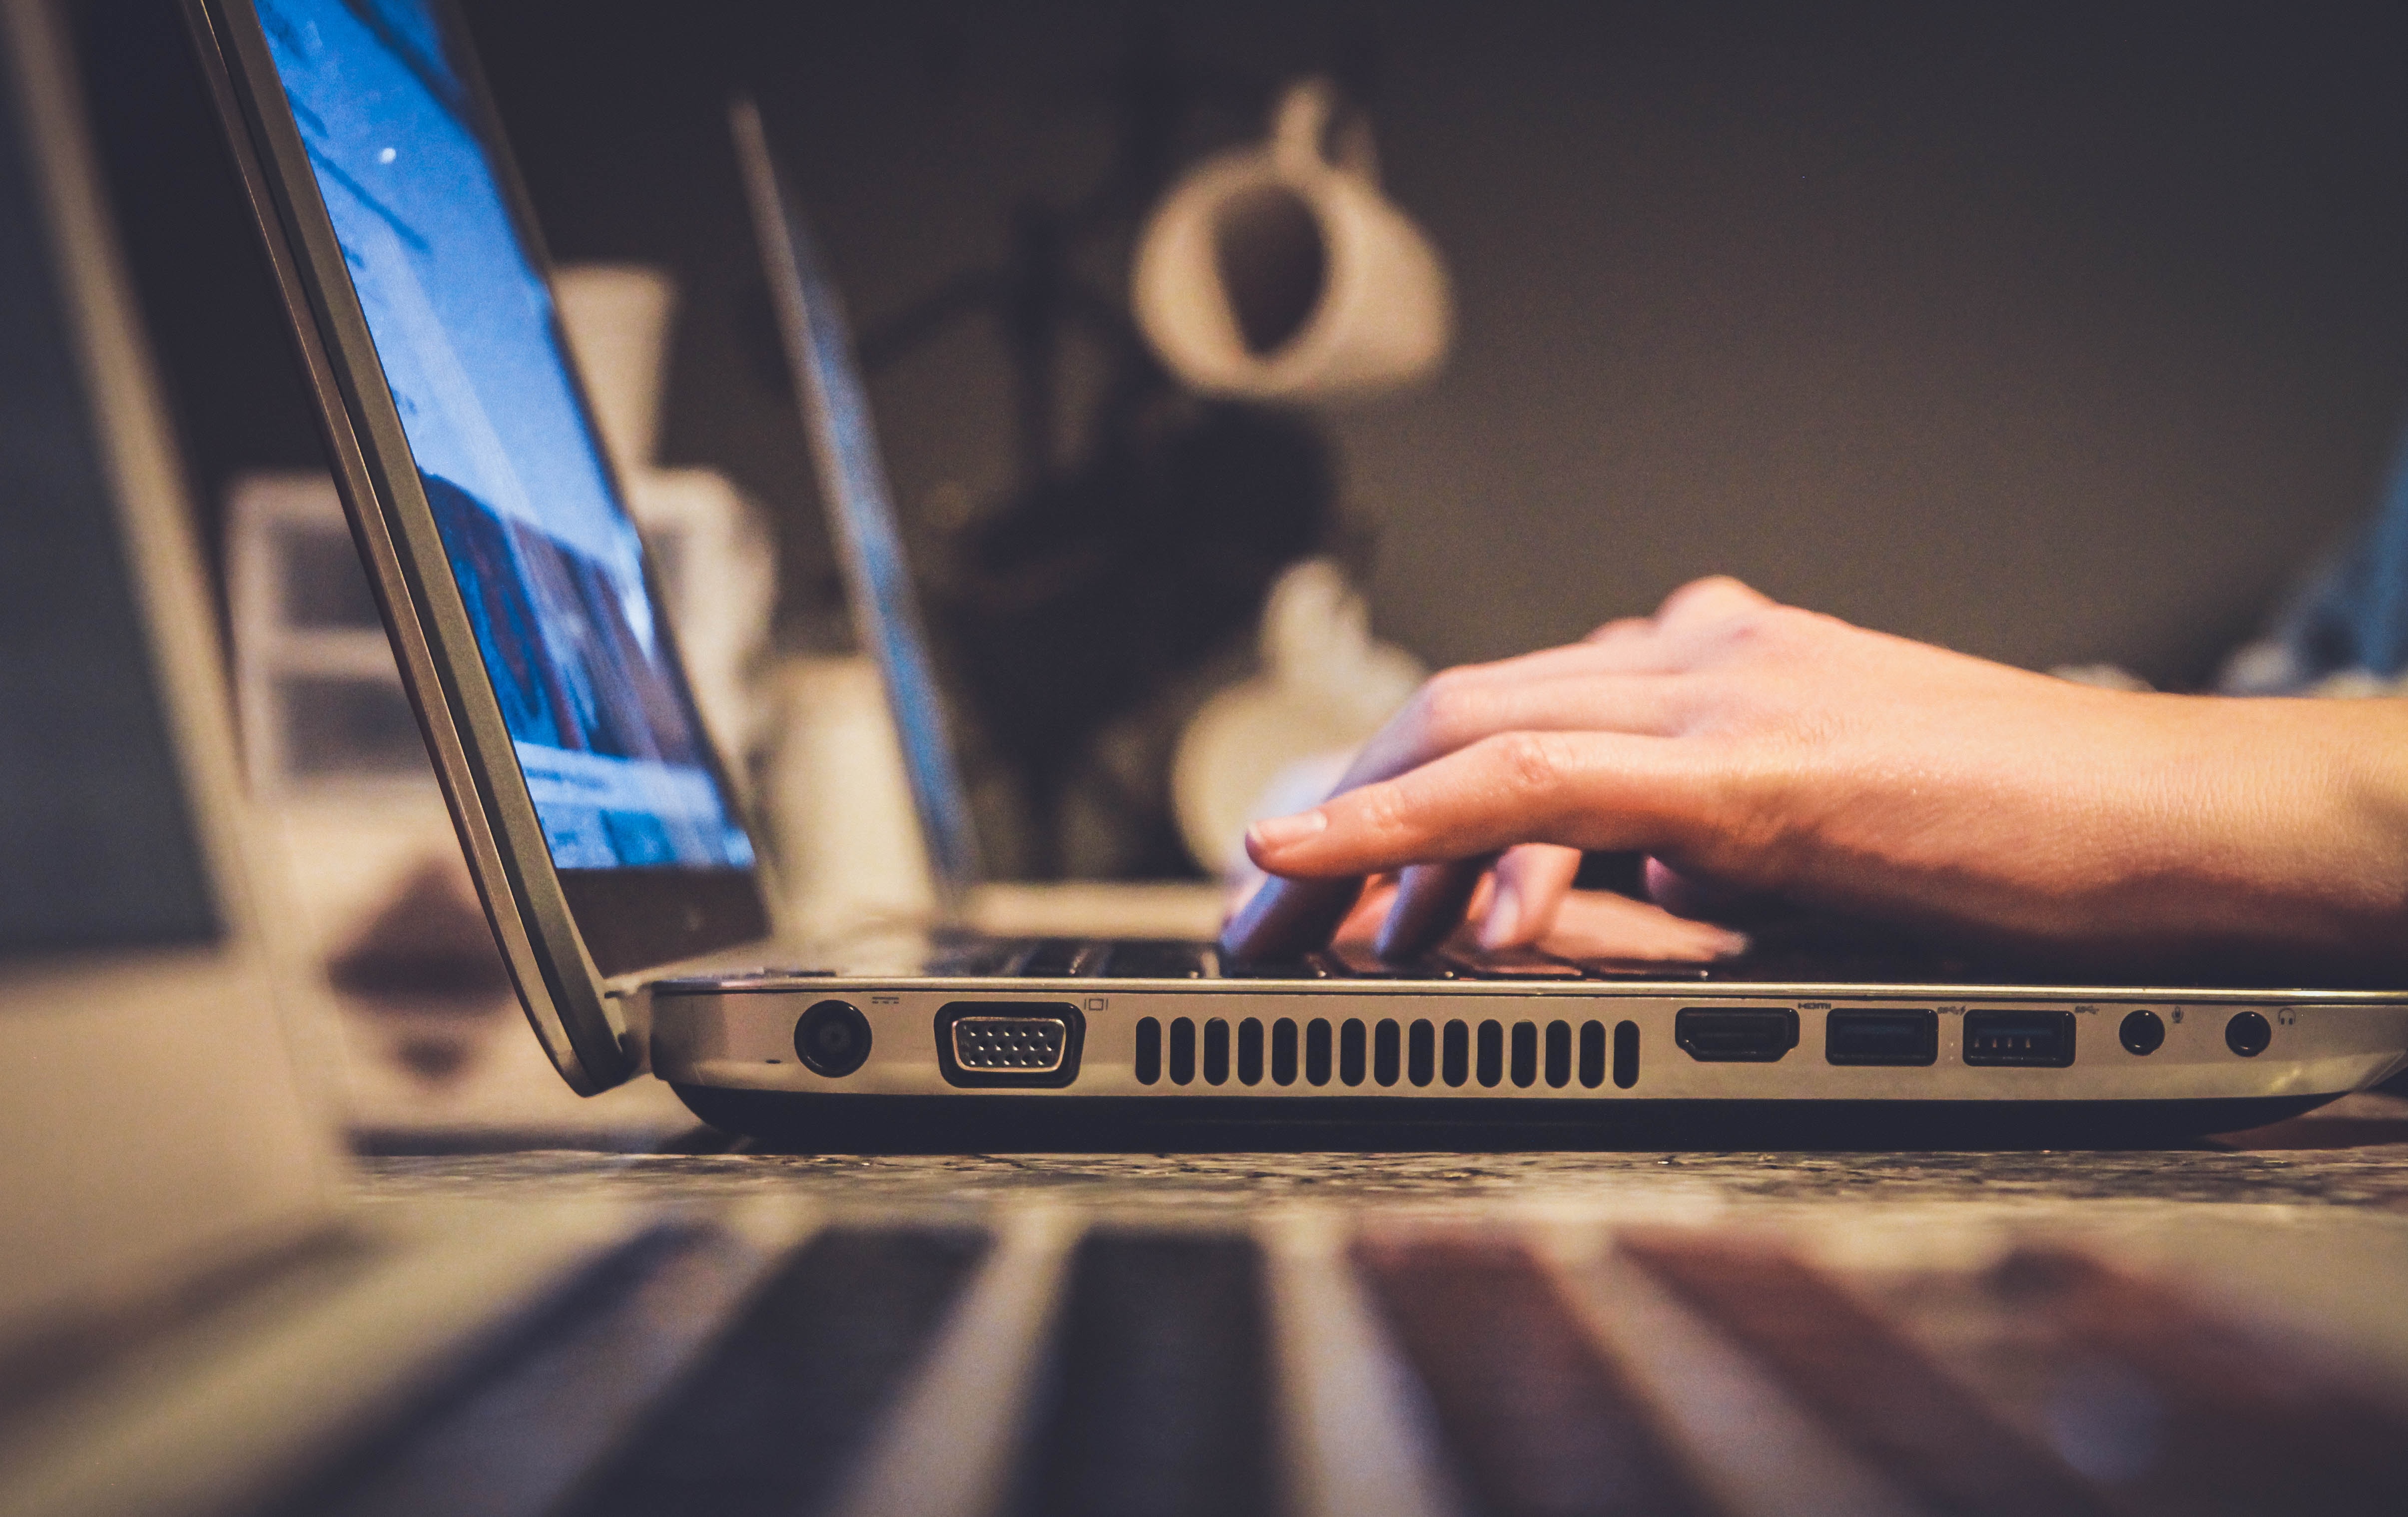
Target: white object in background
{"type": "Point", "coordinates": [1278, 273]}
{"type": "Point", "coordinates": [716, 567]}
{"type": "Point", "coordinates": [320, 701]}
{"type": "Point", "coordinates": [1326, 685]}
{"type": "Point", "coordinates": [617, 318]}
{"type": "Point", "coordinates": [848, 839]}
{"type": "Point", "coordinates": [713, 559]}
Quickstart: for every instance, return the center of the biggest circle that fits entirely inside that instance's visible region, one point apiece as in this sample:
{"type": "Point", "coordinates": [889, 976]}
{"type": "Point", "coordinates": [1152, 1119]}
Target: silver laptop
{"type": "Point", "coordinates": [190, 1319]}
{"type": "Point", "coordinates": [621, 881]}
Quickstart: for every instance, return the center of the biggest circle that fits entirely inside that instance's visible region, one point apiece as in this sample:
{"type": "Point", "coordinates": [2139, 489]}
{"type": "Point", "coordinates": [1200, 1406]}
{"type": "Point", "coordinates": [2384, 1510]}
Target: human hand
{"type": "Point", "coordinates": [1758, 752]}
{"type": "Point", "coordinates": [1574, 924]}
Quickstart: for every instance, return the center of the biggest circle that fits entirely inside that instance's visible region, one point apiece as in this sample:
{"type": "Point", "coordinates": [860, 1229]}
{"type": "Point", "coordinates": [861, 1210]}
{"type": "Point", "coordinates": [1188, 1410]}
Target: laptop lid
{"type": "Point", "coordinates": [152, 1122]}
{"type": "Point", "coordinates": [860, 506]}
{"type": "Point", "coordinates": [597, 822]}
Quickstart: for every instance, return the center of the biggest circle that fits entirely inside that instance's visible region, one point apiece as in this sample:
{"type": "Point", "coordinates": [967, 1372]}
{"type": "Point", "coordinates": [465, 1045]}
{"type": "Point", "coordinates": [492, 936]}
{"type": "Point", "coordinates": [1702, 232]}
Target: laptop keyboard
{"type": "Point", "coordinates": [1062, 958]}
{"type": "Point", "coordinates": [1807, 951]}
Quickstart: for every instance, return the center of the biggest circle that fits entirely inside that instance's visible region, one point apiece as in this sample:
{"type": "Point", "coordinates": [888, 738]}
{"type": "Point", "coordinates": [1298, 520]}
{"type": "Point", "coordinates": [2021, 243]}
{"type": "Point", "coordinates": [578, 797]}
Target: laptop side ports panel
{"type": "Point", "coordinates": [998, 1045]}
{"type": "Point", "coordinates": [1881, 1038]}
{"type": "Point", "coordinates": [1735, 1034]}
{"type": "Point", "coordinates": [2021, 1040]}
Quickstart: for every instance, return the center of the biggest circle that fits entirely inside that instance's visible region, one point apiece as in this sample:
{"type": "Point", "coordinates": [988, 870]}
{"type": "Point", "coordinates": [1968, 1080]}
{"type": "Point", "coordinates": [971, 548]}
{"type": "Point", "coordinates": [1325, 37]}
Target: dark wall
{"type": "Point", "coordinates": [2051, 331]}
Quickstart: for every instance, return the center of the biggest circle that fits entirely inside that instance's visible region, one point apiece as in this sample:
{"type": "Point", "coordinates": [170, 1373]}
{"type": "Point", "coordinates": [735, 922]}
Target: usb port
{"type": "Point", "coordinates": [2032, 1040]}
{"type": "Point", "coordinates": [1735, 1034]}
{"type": "Point", "coordinates": [1008, 1042]}
{"type": "Point", "coordinates": [1898, 1038]}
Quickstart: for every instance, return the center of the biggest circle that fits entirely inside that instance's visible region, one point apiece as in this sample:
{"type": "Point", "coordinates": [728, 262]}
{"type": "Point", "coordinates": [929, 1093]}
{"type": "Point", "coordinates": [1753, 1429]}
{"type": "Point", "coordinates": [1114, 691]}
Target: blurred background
{"type": "Point", "coordinates": [2056, 332]}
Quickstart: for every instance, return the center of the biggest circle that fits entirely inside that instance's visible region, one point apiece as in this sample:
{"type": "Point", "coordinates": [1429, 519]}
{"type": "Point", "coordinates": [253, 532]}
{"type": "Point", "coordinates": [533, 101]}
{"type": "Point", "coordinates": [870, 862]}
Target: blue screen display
{"type": "Point", "coordinates": [546, 558]}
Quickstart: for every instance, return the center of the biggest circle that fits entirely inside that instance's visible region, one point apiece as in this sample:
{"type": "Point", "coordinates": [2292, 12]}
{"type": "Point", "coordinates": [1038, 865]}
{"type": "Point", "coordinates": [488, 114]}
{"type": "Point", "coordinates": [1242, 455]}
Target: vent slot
{"type": "Point", "coordinates": [1526, 1054]}
{"type": "Point", "coordinates": [1559, 1054]}
{"type": "Point", "coordinates": [1458, 1053]}
{"type": "Point", "coordinates": [1216, 1052]}
{"type": "Point", "coordinates": [1149, 1051]}
{"type": "Point", "coordinates": [1316, 1052]}
{"type": "Point", "coordinates": [1421, 1053]}
{"type": "Point", "coordinates": [1250, 1052]}
{"type": "Point", "coordinates": [1349, 1052]}
{"type": "Point", "coordinates": [1183, 1052]}
{"type": "Point", "coordinates": [1592, 1063]}
{"type": "Point", "coordinates": [1386, 1044]}
{"type": "Point", "coordinates": [1492, 1053]}
{"type": "Point", "coordinates": [1625, 1054]}
{"type": "Point", "coordinates": [1284, 1052]}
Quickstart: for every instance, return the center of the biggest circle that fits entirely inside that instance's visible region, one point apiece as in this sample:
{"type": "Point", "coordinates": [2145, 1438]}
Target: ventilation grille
{"type": "Point", "coordinates": [1386, 1052]}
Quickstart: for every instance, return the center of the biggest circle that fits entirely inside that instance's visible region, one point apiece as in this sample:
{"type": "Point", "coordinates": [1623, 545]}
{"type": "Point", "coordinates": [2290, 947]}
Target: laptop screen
{"type": "Point", "coordinates": [547, 562]}
{"type": "Point", "coordinates": [853, 477]}
{"type": "Point", "coordinates": [97, 849]}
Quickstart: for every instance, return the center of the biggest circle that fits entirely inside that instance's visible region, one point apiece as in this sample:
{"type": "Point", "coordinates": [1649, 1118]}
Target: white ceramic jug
{"type": "Point", "coordinates": [1281, 272]}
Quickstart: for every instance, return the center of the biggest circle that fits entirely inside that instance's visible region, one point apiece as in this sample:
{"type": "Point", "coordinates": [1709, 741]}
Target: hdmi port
{"type": "Point", "coordinates": [1003, 1043]}
{"type": "Point", "coordinates": [1735, 1034]}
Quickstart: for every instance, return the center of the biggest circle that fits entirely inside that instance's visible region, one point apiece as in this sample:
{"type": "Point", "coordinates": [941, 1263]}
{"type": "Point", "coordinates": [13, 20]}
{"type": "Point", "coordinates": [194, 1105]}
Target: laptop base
{"type": "Point", "coordinates": [812, 1123]}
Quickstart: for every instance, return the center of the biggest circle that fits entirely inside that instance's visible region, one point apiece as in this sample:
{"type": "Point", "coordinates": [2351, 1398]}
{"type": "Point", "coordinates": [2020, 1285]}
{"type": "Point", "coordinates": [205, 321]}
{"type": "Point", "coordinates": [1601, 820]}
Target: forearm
{"type": "Point", "coordinates": [2311, 853]}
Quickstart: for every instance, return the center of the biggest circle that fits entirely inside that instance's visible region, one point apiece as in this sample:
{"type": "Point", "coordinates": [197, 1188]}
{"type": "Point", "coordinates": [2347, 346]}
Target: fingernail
{"type": "Point", "coordinates": [1282, 831]}
{"type": "Point", "coordinates": [1504, 915]}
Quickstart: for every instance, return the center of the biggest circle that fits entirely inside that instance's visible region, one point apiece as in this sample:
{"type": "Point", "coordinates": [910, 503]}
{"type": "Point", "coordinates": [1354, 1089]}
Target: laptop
{"type": "Point", "coordinates": [624, 887]}
{"type": "Point", "coordinates": [191, 1319]}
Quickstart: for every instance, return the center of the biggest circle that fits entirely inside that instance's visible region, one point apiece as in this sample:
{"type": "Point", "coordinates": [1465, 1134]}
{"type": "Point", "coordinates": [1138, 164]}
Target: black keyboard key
{"type": "Point", "coordinates": [1642, 969]}
{"type": "Point", "coordinates": [1809, 967]}
{"type": "Point", "coordinates": [1144, 959]}
{"type": "Point", "coordinates": [1508, 964]}
{"type": "Point", "coordinates": [1061, 958]}
{"type": "Point", "coordinates": [976, 956]}
{"type": "Point", "coordinates": [1356, 961]}
{"type": "Point", "coordinates": [1300, 968]}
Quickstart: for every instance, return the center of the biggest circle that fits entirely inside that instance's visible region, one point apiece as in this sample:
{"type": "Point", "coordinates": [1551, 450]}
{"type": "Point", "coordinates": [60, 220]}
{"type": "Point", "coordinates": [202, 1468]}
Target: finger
{"type": "Point", "coordinates": [1531, 883]}
{"type": "Point", "coordinates": [1243, 886]}
{"type": "Point", "coordinates": [1621, 629]}
{"type": "Point", "coordinates": [1577, 790]}
{"type": "Point", "coordinates": [1430, 904]}
{"type": "Point", "coordinates": [1710, 601]}
{"type": "Point", "coordinates": [1601, 925]}
{"type": "Point", "coordinates": [1691, 896]}
{"type": "Point", "coordinates": [1289, 916]}
{"type": "Point", "coordinates": [1362, 923]}
{"type": "Point", "coordinates": [1451, 713]}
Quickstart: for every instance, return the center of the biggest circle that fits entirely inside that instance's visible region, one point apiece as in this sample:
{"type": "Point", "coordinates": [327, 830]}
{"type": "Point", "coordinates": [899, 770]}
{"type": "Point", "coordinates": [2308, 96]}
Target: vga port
{"type": "Point", "coordinates": [1019, 1045]}
{"type": "Point", "coordinates": [995, 1043]}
